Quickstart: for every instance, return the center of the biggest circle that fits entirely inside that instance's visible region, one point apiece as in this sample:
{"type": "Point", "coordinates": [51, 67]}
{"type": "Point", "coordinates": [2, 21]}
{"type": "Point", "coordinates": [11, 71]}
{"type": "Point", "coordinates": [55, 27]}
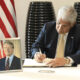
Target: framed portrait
{"type": "Point", "coordinates": [10, 54]}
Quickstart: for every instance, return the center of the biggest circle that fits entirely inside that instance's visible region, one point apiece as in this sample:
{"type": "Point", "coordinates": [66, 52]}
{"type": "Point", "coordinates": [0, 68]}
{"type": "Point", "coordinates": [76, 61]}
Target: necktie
{"type": "Point", "coordinates": [60, 47]}
{"type": "Point", "coordinates": [7, 64]}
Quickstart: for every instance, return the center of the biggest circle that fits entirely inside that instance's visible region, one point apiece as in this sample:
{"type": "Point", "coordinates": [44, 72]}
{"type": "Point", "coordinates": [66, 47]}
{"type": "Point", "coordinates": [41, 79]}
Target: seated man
{"type": "Point", "coordinates": [47, 47]}
{"type": "Point", "coordinates": [10, 62]}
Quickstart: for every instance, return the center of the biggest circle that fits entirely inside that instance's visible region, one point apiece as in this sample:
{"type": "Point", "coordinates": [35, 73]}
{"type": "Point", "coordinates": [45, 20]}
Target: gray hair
{"type": "Point", "coordinates": [67, 13]}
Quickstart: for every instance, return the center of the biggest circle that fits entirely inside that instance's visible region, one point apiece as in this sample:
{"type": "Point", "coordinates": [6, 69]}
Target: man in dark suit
{"type": "Point", "coordinates": [45, 47]}
{"type": "Point", "coordinates": [10, 62]}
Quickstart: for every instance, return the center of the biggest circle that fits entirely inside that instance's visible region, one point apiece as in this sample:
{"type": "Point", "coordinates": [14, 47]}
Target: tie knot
{"type": "Point", "coordinates": [62, 35]}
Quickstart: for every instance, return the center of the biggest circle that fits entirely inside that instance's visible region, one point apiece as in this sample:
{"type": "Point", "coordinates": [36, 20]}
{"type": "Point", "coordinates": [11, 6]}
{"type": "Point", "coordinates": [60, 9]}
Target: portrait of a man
{"type": "Point", "coordinates": [10, 62]}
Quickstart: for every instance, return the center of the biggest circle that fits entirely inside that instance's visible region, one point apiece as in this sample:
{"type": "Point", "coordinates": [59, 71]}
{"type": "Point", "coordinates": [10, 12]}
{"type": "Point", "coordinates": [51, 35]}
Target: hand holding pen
{"type": "Point", "coordinates": [39, 56]}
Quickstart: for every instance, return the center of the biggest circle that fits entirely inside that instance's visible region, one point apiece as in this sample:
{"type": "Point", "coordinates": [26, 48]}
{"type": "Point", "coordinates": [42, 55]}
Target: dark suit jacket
{"type": "Point", "coordinates": [16, 64]}
{"type": "Point", "coordinates": [47, 42]}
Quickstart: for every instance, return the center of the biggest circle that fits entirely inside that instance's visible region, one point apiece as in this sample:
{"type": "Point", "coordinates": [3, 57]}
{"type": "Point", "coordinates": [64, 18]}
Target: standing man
{"type": "Point", "coordinates": [58, 43]}
{"type": "Point", "coordinates": [10, 62]}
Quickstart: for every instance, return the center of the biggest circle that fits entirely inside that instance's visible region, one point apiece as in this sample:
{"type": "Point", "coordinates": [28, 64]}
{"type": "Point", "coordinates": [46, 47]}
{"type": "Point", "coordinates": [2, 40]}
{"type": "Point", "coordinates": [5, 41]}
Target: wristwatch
{"type": "Point", "coordinates": [67, 60]}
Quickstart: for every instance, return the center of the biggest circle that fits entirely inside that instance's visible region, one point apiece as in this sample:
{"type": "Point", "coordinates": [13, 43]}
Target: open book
{"type": "Point", "coordinates": [33, 63]}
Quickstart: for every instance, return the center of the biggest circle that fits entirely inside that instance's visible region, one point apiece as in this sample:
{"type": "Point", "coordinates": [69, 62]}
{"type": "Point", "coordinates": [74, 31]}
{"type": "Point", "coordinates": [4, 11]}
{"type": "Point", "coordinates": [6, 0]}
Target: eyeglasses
{"type": "Point", "coordinates": [63, 25]}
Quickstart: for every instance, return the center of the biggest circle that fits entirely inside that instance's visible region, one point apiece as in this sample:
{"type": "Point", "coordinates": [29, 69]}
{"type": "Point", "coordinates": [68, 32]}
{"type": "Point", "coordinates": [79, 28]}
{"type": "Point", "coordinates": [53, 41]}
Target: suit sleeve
{"type": "Point", "coordinates": [76, 55]}
{"type": "Point", "coordinates": [39, 42]}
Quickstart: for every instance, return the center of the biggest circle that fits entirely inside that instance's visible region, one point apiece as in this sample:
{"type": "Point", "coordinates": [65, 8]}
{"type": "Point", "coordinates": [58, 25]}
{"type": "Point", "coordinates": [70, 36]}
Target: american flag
{"type": "Point", "coordinates": [8, 25]}
{"type": "Point", "coordinates": [2, 53]}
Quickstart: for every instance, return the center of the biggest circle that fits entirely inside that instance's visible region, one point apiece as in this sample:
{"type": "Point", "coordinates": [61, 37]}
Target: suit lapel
{"type": "Point", "coordinates": [12, 64]}
{"type": "Point", "coordinates": [54, 43]}
{"type": "Point", "coordinates": [70, 42]}
{"type": "Point", "coordinates": [2, 64]}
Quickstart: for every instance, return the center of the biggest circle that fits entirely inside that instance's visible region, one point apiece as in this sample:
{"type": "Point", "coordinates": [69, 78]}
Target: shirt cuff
{"type": "Point", "coordinates": [70, 63]}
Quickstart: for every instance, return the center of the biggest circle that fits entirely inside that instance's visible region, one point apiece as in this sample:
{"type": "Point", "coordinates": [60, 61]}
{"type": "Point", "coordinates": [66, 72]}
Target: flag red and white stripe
{"type": "Point", "coordinates": [2, 53]}
{"type": "Point", "coordinates": [7, 19]}
{"type": "Point", "coordinates": [8, 26]}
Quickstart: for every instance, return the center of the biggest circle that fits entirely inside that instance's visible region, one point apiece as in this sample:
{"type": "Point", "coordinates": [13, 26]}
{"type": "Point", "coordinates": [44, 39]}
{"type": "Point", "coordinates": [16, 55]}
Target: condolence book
{"type": "Point", "coordinates": [32, 63]}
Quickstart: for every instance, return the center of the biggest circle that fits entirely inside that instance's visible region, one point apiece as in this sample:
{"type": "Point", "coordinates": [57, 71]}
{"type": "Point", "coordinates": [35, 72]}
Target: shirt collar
{"type": "Point", "coordinates": [10, 59]}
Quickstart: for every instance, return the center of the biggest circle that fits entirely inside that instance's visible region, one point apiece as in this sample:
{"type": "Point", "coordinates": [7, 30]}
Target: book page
{"type": "Point", "coordinates": [33, 63]}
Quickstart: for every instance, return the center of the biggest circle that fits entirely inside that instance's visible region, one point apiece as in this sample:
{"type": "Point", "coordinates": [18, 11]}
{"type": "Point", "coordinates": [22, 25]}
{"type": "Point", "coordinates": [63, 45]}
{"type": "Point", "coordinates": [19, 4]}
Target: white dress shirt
{"type": "Point", "coordinates": [10, 59]}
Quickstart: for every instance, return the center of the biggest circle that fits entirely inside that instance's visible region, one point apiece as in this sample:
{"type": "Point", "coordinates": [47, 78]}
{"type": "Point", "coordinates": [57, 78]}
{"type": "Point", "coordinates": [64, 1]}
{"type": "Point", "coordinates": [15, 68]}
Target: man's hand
{"type": "Point", "coordinates": [39, 57]}
{"type": "Point", "coordinates": [56, 62]}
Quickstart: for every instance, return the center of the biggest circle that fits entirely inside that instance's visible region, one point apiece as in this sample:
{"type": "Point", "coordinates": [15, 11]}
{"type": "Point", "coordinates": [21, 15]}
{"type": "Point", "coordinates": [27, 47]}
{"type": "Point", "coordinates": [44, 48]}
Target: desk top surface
{"type": "Point", "coordinates": [60, 73]}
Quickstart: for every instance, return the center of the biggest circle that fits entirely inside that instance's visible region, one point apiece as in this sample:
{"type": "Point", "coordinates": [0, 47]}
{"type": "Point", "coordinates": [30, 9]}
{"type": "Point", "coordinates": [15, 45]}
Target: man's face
{"type": "Point", "coordinates": [63, 27]}
{"type": "Point", "coordinates": [8, 49]}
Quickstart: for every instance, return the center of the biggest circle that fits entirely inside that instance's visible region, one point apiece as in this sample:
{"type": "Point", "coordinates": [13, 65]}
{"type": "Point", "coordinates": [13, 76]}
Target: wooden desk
{"type": "Point", "coordinates": [64, 73]}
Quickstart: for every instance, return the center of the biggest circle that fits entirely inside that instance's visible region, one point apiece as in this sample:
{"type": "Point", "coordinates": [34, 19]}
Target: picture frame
{"type": "Point", "coordinates": [10, 48]}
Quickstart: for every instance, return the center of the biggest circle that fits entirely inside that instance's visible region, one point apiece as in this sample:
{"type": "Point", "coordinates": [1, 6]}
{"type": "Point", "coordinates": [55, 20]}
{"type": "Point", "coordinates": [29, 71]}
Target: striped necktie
{"type": "Point", "coordinates": [7, 64]}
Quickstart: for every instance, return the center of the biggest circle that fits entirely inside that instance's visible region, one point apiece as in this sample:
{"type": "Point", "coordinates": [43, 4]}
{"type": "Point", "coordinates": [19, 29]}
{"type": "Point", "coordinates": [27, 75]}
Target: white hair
{"type": "Point", "coordinates": [67, 13]}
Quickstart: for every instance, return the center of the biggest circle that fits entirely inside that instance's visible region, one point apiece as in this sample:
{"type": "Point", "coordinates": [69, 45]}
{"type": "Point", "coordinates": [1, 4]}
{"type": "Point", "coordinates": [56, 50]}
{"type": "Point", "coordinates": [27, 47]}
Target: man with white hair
{"type": "Point", "coordinates": [58, 43]}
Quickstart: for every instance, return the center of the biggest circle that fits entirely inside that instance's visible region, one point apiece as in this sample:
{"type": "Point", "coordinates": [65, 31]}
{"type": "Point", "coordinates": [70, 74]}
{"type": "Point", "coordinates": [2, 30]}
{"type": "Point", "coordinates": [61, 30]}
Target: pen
{"type": "Point", "coordinates": [40, 51]}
